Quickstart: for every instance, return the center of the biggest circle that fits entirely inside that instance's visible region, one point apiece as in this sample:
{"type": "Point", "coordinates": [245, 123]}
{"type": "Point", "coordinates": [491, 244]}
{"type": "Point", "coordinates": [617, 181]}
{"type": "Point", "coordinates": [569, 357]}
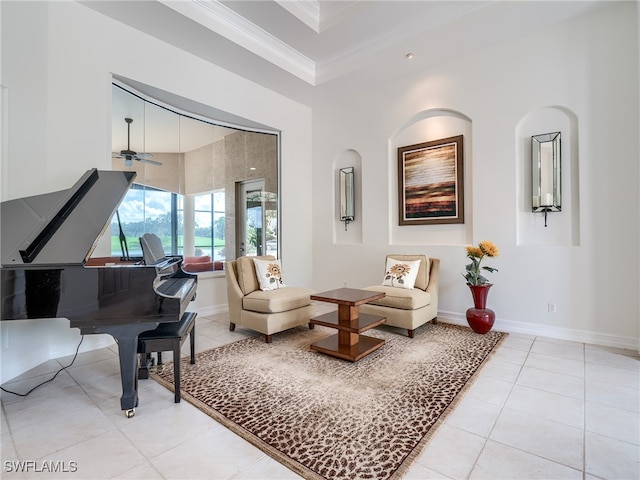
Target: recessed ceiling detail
{"type": "Point", "coordinates": [345, 34]}
{"type": "Point", "coordinates": [319, 15]}
{"type": "Point", "coordinates": [307, 49]}
{"type": "Point", "coordinates": [308, 12]}
{"type": "Point", "coordinates": [224, 21]}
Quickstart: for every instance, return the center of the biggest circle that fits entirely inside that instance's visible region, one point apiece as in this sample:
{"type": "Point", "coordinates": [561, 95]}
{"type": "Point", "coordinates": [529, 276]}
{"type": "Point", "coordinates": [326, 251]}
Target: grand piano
{"type": "Point", "coordinates": [48, 271]}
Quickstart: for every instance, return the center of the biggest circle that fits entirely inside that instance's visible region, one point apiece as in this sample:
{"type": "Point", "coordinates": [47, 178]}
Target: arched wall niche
{"type": "Point", "coordinates": [352, 234]}
{"type": "Point", "coordinates": [563, 228]}
{"type": "Point", "coordinates": [425, 126]}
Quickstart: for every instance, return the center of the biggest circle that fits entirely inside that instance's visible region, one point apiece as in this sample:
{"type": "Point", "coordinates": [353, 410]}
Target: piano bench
{"type": "Point", "coordinates": [169, 337]}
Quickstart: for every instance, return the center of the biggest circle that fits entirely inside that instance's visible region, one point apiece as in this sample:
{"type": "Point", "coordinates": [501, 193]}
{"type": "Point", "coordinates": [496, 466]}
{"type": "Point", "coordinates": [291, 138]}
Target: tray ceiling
{"type": "Point", "coordinates": [307, 48]}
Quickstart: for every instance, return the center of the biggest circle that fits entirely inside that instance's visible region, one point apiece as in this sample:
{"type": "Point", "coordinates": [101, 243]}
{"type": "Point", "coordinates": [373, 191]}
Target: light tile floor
{"type": "Point", "coordinates": [540, 408]}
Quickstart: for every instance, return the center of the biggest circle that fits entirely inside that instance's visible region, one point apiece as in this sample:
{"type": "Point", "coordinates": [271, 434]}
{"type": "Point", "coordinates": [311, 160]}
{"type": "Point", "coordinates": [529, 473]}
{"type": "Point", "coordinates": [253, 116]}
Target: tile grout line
{"type": "Point", "coordinates": [475, 463]}
{"type": "Point", "coordinates": [583, 472]}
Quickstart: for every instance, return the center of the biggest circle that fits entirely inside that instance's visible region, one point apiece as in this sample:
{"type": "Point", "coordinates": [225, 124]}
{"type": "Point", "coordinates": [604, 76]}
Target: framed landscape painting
{"type": "Point", "coordinates": [430, 182]}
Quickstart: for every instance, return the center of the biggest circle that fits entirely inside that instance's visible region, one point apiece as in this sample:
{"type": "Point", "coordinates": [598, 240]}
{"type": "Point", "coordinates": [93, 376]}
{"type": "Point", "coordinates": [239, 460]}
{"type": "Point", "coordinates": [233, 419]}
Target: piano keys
{"type": "Point", "coordinates": [48, 272]}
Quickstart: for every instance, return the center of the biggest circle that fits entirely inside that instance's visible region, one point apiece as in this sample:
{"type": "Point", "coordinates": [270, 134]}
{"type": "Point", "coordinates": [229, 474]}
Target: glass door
{"type": "Point", "coordinates": [251, 218]}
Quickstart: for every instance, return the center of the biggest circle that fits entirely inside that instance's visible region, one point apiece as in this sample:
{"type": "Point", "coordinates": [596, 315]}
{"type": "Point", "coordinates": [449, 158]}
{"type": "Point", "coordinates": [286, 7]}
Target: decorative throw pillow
{"type": "Point", "coordinates": [269, 273]}
{"type": "Point", "coordinates": [401, 273]}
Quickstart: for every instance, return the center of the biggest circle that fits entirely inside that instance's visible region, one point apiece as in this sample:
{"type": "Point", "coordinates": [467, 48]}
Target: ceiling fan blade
{"type": "Point", "coordinates": [126, 157]}
{"type": "Point", "coordinates": [146, 160]}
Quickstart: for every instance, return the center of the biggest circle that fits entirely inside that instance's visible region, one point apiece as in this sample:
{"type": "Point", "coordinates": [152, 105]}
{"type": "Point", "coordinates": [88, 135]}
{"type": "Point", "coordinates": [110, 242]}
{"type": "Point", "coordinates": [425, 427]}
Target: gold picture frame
{"type": "Point", "coordinates": [431, 182]}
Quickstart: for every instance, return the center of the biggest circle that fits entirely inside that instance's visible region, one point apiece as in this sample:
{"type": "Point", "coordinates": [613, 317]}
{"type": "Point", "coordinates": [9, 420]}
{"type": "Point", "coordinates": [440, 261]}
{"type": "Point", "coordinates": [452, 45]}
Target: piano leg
{"type": "Point", "coordinates": [127, 338]}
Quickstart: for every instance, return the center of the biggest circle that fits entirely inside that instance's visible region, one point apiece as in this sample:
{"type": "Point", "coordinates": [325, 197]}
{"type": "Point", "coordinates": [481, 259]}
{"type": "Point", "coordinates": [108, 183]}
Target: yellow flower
{"type": "Point", "coordinates": [474, 252]}
{"type": "Point", "coordinates": [473, 271]}
{"type": "Point", "coordinates": [488, 248]}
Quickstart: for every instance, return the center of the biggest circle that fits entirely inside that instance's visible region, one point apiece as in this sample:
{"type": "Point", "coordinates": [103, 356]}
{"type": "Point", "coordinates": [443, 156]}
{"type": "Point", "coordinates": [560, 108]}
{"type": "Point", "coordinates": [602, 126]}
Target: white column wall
{"type": "Point", "coordinates": [638, 137]}
{"type": "Point", "coordinates": [588, 66]}
{"type": "Point", "coordinates": [57, 62]}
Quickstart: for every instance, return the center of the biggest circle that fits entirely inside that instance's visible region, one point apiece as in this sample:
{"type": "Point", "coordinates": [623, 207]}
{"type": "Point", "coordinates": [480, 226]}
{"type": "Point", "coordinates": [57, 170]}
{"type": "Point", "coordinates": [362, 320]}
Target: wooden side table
{"type": "Point", "coordinates": [348, 343]}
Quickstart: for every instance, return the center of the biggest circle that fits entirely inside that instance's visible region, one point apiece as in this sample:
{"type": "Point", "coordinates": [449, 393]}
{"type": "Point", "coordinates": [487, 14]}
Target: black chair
{"type": "Point", "coordinates": [168, 337]}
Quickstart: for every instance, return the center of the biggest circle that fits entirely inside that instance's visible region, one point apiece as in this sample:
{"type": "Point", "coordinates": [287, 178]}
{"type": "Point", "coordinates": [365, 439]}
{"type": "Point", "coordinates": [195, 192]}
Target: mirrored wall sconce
{"type": "Point", "coordinates": [545, 173]}
{"type": "Point", "coordinates": [347, 196]}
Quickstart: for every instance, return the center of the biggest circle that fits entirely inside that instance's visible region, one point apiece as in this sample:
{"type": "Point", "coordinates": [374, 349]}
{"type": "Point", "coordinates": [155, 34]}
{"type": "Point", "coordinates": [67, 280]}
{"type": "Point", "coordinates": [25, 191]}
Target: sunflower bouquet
{"type": "Point", "coordinates": [473, 273]}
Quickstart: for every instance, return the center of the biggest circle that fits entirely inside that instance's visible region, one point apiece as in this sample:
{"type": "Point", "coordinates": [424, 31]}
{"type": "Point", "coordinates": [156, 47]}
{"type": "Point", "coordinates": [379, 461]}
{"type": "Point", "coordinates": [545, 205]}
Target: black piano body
{"type": "Point", "coordinates": [48, 272]}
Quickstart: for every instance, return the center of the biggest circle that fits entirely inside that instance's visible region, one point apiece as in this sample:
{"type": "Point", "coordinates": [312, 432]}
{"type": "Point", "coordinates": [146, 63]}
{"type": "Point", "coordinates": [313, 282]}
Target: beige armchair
{"type": "Point", "coordinates": [409, 308]}
{"type": "Point", "coordinates": [267, 312]}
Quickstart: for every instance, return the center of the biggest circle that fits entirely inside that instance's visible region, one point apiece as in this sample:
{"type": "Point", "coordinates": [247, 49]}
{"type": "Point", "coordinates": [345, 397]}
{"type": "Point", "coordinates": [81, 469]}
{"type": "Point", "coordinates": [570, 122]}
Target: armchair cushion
{"type": "Point", "coordinates": [247, 277]}
{"type": "Point", "coordinates": [422, 279]}
{"type": "Point", "coordinates": [402, 298]}
{"type": "Point", "coordinates": [401, 273]}
{"type": "Point", "coordinates": [275, 301]}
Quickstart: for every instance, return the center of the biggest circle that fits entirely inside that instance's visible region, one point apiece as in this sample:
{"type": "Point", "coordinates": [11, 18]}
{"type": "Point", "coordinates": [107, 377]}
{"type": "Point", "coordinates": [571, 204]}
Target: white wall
{"type": "Point", "coordinates": [56, 122]}
{"type": "Point", "coordinates": [588, 67]}
{"type": "Point", "coordinates": [57, 62]}
{"type": "Point", "coordinates": [638, 137]}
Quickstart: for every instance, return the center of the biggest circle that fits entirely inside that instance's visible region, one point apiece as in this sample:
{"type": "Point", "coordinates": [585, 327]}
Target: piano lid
{"type": "Point", "coordinates": [61, 228]}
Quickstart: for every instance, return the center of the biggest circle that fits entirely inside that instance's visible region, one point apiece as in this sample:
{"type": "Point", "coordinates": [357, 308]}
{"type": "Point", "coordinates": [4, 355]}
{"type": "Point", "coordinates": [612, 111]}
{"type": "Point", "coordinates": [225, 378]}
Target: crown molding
{"type": "Point", "coordinates": [318, 15]}
{"type": "Point", "coordinates": [307, 11]}
{"type": "Point", "coordinates": [217, 17]}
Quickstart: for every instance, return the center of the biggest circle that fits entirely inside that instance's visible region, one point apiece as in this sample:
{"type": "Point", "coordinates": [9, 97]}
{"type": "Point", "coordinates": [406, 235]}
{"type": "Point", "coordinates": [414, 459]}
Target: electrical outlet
{"type": "Point", "coordinates": [551, 307]}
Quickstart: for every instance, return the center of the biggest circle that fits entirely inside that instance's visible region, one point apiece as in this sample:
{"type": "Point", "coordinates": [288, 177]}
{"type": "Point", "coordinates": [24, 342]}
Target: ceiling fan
{"type": "Point", "coordinates": [129, 155]}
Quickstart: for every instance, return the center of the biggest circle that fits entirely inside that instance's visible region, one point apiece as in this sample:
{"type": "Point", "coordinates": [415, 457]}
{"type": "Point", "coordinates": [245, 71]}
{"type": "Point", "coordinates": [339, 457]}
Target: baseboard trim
{"type": "Point", "coordinates": [582, 336]}
{"type": "Point", "coordinates": [12, 369]}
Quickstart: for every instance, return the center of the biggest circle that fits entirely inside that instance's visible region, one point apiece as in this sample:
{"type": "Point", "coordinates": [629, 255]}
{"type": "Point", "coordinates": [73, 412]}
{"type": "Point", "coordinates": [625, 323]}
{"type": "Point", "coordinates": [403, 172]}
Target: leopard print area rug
{"type": "Point", "coordinates": [323, 417]}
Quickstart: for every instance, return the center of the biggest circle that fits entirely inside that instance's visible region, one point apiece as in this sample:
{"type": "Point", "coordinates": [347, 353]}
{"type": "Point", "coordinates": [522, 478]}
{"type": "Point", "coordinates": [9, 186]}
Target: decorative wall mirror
{"type": "Point", "coordinates": [546, 173]}
{"type": "Point", "coordinates": [185, 189]}
{"type": "Point", "coordinates": [347, 196]}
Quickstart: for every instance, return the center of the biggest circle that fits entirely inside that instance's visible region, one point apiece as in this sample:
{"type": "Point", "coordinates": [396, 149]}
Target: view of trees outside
{"type": "Point", "coordinates": [148, 210]}
{"type": "Point", "coordinates": [271, 219]}
{"type": "Point", "coordinates": [254, 231]}
{"type": "Point", "coordinates": [143, 210]}
{"type": "Point", "coordinates": [210, 224]}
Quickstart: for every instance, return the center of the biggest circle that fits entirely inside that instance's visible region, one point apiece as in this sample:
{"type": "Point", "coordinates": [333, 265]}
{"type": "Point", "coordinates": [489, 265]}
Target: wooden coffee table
{"type": "Point", "coordinates": [348, 343]}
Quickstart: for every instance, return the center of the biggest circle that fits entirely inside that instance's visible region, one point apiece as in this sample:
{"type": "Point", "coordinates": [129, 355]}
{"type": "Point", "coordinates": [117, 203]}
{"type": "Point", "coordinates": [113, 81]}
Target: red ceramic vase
{"type": "Point", "coordinates": [479, 317]}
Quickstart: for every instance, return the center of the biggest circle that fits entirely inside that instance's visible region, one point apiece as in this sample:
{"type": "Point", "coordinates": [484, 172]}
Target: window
{"type": "Point", "coordinates": [219, 226]}
{"type": "Point", "coordinates": [143, 210]}
{"type": "Point", "coordinates": [188, 167]}
{"type": "Point", "coordinates": [209, 225]}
